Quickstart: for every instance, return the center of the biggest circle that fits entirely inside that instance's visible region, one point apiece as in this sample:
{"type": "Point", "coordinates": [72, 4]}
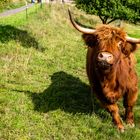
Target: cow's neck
{"type": "Point", "coordinates": [109, 77]}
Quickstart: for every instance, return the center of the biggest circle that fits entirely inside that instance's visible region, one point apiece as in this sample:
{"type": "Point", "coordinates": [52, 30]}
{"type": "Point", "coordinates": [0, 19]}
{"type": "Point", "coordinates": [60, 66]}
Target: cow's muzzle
{"type": "Point", "coordinates": [105, 60]}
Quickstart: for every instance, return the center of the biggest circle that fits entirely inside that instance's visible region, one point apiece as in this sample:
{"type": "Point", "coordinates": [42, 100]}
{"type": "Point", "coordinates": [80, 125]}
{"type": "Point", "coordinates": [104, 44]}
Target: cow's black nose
{"type": "Point", "coordinates": [105, 57]}
{"type": "Point", "coordinates": [103, 65]}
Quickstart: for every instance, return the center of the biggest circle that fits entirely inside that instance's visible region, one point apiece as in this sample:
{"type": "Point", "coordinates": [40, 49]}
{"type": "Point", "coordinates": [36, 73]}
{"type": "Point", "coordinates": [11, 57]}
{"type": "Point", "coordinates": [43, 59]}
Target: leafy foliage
{"type": "Point", "coordinates": [111, 10]}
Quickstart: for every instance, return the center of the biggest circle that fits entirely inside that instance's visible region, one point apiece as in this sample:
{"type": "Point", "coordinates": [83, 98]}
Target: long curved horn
{"type": "Point", "coordinates": [78, 27]}
{"type": "Point", "coordinates": [133, 40]}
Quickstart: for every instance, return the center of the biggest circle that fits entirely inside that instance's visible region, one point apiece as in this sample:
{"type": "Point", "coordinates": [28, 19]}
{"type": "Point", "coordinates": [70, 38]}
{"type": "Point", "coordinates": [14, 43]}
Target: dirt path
{"type": "Point", "coordinates": [14, 11]}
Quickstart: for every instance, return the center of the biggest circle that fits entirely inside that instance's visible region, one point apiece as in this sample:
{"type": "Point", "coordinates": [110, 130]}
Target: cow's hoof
{"type": "Point", "coordinates": [131, 125]}
{"type": "Point", "coordinates": [121, 130]}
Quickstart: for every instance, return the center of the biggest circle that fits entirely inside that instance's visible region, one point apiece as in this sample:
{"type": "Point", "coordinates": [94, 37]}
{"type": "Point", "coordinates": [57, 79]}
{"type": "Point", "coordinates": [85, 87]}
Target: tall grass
{"type": "Point", "coordinates": [44, 90]}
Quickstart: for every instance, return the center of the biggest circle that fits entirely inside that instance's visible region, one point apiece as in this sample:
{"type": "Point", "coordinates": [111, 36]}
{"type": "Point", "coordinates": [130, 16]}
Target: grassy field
{"type": "Point", "coordinates": [11, 5]}
{"type": "Point", "coordinates": [44, 90]}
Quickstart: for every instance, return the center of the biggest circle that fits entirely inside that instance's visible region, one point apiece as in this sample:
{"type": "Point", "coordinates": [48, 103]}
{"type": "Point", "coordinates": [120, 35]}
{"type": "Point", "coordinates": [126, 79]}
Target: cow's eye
{"type": "Point", "coordinates": [120, 45]}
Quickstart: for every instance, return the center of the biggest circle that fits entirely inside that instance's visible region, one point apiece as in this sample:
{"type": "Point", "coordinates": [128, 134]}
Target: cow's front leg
{"type": "Point", "coordinates": [92, 100]}
{"type": "Point", "coordinates": [114, 111]}
{"type": "Point", "coordinates": [129, 102]}
{"type": "Point", "coordinates": [112, 97]}
{"type": "Point", "coordinates": [129, 116]}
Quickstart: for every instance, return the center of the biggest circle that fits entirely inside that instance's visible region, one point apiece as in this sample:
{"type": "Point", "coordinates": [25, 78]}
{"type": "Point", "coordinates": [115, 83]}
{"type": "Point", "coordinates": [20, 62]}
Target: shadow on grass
{"type": "Point", "coordinates": [8, 33]}
{"type": "Point", "coordinates": [67, 93]}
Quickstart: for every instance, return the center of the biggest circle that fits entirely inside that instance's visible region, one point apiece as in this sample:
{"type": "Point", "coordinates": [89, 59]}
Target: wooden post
{"type": "Point", "coordinates": [26, 10]}
{"type": "Point", "coordinates": [41, 3]}
{"type": "Point", "coordinates": [61, 1]}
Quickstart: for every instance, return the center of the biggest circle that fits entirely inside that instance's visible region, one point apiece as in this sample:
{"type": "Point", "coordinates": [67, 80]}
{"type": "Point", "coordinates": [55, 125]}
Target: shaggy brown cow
{"type": "Point", "coordinates": [110, 68]}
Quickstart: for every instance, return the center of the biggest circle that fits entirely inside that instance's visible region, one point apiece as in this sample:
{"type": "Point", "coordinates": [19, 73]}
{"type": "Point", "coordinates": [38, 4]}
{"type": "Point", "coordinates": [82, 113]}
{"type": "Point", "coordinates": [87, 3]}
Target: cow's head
{"type": "Point", "coordinates": [110, 44]}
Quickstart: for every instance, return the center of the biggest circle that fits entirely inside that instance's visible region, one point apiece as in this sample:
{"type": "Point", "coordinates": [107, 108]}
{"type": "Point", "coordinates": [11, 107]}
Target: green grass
{"type": "Point", "coordinates": [11, 5]}
{"type": "Point", "coordinates": [44, 90]}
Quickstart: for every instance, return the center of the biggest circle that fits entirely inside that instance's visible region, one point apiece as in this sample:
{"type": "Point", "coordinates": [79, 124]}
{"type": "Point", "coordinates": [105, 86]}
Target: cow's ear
{"type": "Point", "coordinates": [89, 39]}
{"type": "Point", "coordinates": [128, 48]}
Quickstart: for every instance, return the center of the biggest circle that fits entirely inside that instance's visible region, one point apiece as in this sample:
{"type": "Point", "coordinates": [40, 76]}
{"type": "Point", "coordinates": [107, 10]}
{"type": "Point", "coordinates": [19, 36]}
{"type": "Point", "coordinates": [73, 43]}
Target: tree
{"type": "Point", "coordinates": [111, 10]}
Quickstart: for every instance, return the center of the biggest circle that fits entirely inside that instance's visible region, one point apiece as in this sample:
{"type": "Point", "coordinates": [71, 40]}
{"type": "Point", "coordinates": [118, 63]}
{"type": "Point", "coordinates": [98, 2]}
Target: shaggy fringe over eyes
{"type": "Point", "coordinates": [108, 36]}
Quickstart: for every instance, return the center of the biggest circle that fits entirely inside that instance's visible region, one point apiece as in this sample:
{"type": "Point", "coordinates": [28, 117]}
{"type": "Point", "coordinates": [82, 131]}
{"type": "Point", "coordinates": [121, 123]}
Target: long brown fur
{"type": "Point", "coordinates": [121, 80]}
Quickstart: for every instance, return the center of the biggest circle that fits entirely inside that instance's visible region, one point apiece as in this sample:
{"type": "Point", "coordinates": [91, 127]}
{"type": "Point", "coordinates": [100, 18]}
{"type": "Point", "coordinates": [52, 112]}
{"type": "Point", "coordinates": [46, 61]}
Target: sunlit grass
{"type": "Point", "coordinates": [44, 90]}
